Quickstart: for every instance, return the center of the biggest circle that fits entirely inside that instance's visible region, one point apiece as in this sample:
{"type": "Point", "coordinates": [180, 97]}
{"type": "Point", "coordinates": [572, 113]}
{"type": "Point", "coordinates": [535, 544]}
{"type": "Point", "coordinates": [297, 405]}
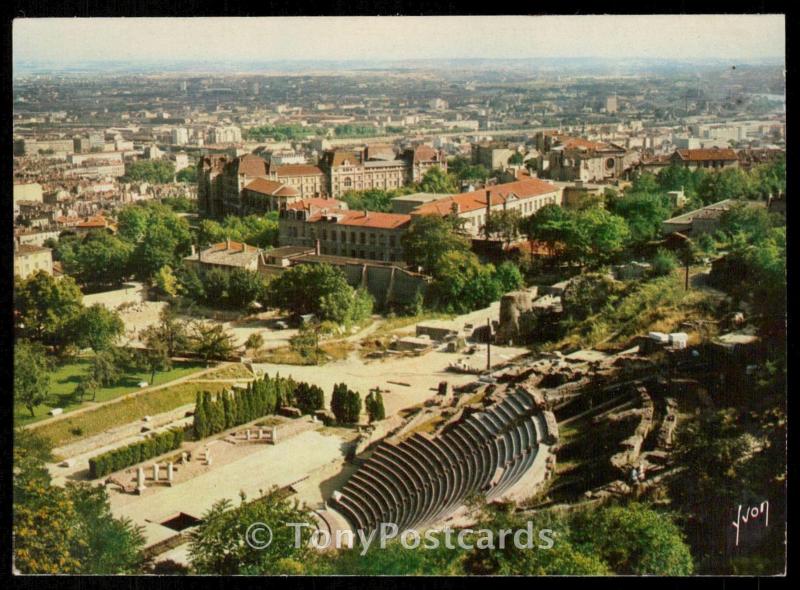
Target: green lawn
{"type": "Point", "coordinates": [64, 379]}
{"type": "Point", "coordinates": [69, 430]}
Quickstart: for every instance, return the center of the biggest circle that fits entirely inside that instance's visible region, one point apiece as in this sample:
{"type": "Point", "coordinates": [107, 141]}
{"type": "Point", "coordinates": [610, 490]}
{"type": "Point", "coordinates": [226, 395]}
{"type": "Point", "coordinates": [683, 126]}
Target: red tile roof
{"type": "Point", "coordinates": [264, 186]}
{"type": "Point", "coordinates": [425, 153]}
{"type": "Point", "coordinates": [702, 155]}
{"type": "Point", "coordinates": [232, 246]}
{"type": "Point", "coordinates": [25, 249]}
{"type": "Point", "coordinates": [316, 203]}
{"type": "Point", "coordinates": [341, 156]}
{"type": "Point", "coordinates": [94, 221]}
{"type": "Point", "coordinates": [298, 170]}
{"type": "Point", "coordinates": [251, 165]}
{"type": "Point", "coordinates": [368, 219]}
{"type": "Point", "coordinates": [522, 189]}
{"type": "Point", "coordinates": [287, 191]}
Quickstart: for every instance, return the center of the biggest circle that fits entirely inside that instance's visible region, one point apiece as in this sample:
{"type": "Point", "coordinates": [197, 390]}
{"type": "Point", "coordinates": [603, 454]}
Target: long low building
{"type": "Point", "coordinates": [704, 220]}
{"type": "Point", "coordinates": [387, 282]}
{"type": "Point", "coordinates": [526, 196]}
{"type": "Point", "coordinates": [370, 235]}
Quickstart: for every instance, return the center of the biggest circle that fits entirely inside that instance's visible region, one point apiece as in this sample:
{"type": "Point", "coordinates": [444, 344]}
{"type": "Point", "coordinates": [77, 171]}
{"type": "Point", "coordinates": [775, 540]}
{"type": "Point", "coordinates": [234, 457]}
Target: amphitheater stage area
{"type": "Point", "coordinates": [280, 465]}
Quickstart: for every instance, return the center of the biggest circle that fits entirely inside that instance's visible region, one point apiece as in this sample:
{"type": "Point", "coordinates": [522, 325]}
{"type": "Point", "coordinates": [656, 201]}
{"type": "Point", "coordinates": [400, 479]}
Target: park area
{"type": "Point", "coordinates": [65, 378]}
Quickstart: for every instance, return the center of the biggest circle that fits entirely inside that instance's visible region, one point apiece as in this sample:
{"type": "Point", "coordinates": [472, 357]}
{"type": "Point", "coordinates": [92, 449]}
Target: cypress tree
{"type": "Point", "coordinates": [353, 406]}
{"type": "Point", "coordinates": [216, 414]}
{"type": "Point", "coordinates": [228, 409]}
{"type": "Point", "coordinates": [200, 418]}
{"type": "Point", "coordinates": [380, 411]}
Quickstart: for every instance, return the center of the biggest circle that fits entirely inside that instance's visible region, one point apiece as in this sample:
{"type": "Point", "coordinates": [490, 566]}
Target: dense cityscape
{"type": "Point", "coordinates": [427, 298]}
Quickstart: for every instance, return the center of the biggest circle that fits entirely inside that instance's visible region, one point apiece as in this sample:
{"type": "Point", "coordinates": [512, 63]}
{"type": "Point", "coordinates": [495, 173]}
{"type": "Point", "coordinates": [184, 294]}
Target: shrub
{"type": "Point", "coordinates": [663, 263]}
{"type": "Point", "coordinates": [155, 445]}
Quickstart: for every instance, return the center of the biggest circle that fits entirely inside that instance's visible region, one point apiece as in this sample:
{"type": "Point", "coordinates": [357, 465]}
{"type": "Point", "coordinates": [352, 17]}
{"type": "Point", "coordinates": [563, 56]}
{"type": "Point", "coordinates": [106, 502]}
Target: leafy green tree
{"type": "Point", "coordinates": [112, 546]}
{"type": "Point", "coordinates": [509, 277]}
{"type": "Point", "coordinates": [770, 179]}
{"type": "Point", "coordinates": [87, 386]}
{"type": "Point", "coordinates": [505, 224]}
{"type": "Point", "coordinates": [351, 130]}
{"type": "Point", "coordinates": [645, 182]}
{"type": "Point", "coordinates": [306, 342]}
{"type": "Point", "coordinates": [180, 204]}
{"type": "Point", "coordinates": [172, 331]}
{"type": "Point", "coordinates": [210, 232]}
{"type": "Point", "coordinates": [104, 368]}
{"type": "Point", "coordinates": [244, 287]}
{"type": "Point", "coordinates": [635, 540]}
{"type": "Point", "coordinates": [188, 175]}
{"type": "Point", "coordinates": [516, 159]}
{"type": "Point", "coordinates": [31, 375]}
{"type": "Point", "coordinates": [189, 283]}
{"type": "Point", "coordinates": [462, 284]}
{"type": "Point", "coordinates": [46, 309]}
{"type": "Point", "coordinates": [372, 200]}
{"type": "Point", "coordinates": [550, 225]}
{"type": "Point", "coordinates": [255, 230]}
{"type": "Point", "coordinates": [730, 183]}
{"type": "Point", "coordinates": [99, 260]}
{"type": "Point", "coordinates": [211, 341]}
{"type": "Point", "coordinates": [468, 172]}
{"type": "Point", "coordinates": [319, 289]}
{"type": "Point", "coordinates": [132, 222]}
{"type": "Point", "coordinates": [675, 178]}
{"type": "Point", "coordinates": [98, 327]}
{"type": "Point", "coordinates": [62, 530]}
{"type": "Point", "coordinates": [594, 236]}
{"type": "Point", "coordinates": [166, 282]}
{"type": "Point", "coordinates": [563, 557]}
{"type": "Point", "coordinates": [254, 342]}
{"type": "Point", "coordinates": [436, 180]}
{"type": "Point", "coordinates": [754, 222]}
{"type": "Point", "coordinates": [161, 238]}
{"type": "Point", "coordinates": [643, 213]}
{"type": "Point", "coordinates": [156, 356]}
{"type": "Point", "coordinates": [46, 539]}
{"type": "Point", "coordinates": [346, 306]}
{"type": "Point", "coordinates": [430, 237]}
{"type": "Point", "coordinates": [152, 171]}
{"type": "Point", "coordinates": [154, 252]}
{"type": "Point", "coordinates": [396, 560]}
{"type": "Point", "coordinates": [215, 286]}
{"type": "Point", "coordinates": [216, 546]}
{"type": "Point", "coordinates": [756, 273]}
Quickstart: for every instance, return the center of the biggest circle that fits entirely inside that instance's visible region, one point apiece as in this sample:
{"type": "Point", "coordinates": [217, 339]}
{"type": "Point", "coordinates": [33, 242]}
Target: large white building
{"type": "Point", "coordinates": [225, 135]}
{"type": "Point", "coordinates": [180, 136]}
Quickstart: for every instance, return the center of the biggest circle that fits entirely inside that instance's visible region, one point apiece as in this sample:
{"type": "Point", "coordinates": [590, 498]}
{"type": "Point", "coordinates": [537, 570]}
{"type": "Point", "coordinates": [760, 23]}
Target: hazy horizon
{"type": "Point", "coordinates": [72, 43]}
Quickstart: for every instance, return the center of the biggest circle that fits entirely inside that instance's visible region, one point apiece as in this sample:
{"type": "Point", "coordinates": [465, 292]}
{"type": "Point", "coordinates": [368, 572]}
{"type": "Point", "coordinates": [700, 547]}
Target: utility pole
{"type": "Point", "coordinates": [489, 345]}
{"type": "Point", "coordinates": [686, 283]}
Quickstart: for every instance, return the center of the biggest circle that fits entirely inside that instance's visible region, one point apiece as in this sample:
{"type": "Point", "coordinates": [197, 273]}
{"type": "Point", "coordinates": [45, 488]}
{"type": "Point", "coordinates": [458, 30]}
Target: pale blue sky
{"type": "Point", "coordinates": [70, 41]}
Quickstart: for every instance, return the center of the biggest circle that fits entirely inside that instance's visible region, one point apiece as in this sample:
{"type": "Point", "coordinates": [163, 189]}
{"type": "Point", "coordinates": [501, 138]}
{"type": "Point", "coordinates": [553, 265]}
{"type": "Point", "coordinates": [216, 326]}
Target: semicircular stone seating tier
{"type": "Point", "coordinates": [422, 479]}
